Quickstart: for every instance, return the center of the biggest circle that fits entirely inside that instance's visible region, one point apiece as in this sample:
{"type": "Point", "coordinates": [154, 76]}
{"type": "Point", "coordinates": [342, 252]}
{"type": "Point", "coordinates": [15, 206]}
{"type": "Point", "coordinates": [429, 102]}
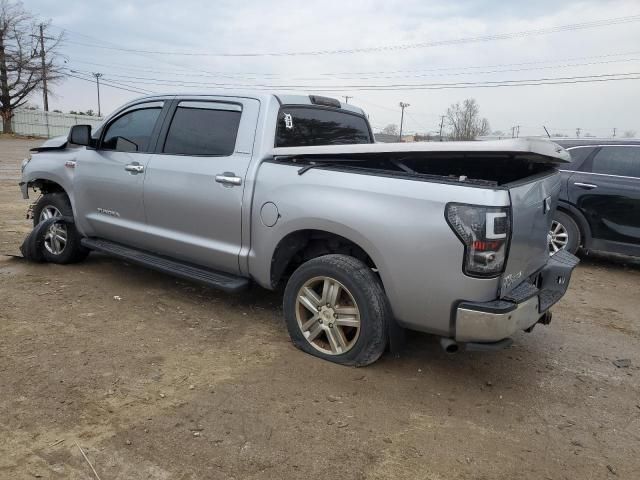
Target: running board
{"type": "Point", "coordinates": [220, 280]}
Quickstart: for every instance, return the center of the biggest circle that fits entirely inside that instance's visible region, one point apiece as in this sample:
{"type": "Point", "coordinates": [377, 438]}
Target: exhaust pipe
{"type": "Point", "coordinates": [449, 345]}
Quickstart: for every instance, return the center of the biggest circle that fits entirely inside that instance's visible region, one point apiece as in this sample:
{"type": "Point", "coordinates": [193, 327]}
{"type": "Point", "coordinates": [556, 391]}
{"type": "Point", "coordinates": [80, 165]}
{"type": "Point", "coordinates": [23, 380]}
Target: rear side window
{"type": "Point", "coordinates": [304, 126]}
{"type": "Point", "coordinates": [578, 156]}
{"type": "Point", "coordinates": [203, 128]}
{"type": "Point", "coordinates": [624, 161]}
{"type": "Point", "coordinates": [132, 131]}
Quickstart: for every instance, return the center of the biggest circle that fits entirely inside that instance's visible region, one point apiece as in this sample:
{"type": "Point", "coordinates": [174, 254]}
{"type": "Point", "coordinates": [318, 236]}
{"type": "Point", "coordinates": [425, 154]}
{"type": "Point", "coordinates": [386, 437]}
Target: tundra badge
{"type": "Point", "coordinates": [111, 213]}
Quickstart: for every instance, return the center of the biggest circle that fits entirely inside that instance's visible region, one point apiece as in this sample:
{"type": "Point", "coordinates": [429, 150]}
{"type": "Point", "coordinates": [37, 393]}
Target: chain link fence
{"type": "Point", "coordinates": [37, 123]}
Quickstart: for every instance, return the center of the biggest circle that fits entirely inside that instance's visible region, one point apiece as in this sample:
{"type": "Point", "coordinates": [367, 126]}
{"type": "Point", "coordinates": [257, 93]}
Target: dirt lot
{"type": "Point", "coordinates": [162, 379]}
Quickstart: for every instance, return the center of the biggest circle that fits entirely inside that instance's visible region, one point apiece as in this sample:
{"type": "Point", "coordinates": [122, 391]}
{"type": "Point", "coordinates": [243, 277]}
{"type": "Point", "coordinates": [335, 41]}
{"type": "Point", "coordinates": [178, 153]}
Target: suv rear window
{"type": "Point", "coordinates": [578, 156]}
{"type": "Point", "coordinates": [304, 126]}
{"type": "Point", "coordinates": [623, 161]}
{"type": "Point", "coordinates": [203, 128]}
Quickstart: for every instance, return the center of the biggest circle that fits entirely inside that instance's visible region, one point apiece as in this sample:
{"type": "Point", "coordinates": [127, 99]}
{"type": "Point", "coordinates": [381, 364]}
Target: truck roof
{"type": "Point", "coordinates": [282, 97]}
{"type": "Point", "coordinates": [544, 150]}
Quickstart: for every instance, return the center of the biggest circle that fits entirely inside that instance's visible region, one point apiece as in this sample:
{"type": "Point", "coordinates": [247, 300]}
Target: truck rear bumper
{"type": "Point", "coordinates": [520, 309]}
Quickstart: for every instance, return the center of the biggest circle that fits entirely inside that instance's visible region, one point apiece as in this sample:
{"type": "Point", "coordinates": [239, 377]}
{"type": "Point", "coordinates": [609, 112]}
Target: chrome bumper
{"type": "Point", "coordinates": [518, 310]}
{"type": "Point", "coordinates": [475, 325]}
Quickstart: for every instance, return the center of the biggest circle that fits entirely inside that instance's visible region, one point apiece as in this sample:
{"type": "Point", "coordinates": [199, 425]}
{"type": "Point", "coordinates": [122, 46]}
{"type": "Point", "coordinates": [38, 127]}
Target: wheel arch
{"type": "Point", "coordinates": [581, 221]}
{"type": "Point", "coordinates": [45, 185]}
{"type": "Point", "coordinates": [302, 245]}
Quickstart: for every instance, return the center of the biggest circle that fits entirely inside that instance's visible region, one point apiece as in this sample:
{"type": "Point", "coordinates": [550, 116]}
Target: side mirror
{"type": "Point", "coordinates": [80, 135]}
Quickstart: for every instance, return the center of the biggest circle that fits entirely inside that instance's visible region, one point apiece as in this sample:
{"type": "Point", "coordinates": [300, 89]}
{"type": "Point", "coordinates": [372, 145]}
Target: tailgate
{"type": "Point", "coordinates": [533, 202]}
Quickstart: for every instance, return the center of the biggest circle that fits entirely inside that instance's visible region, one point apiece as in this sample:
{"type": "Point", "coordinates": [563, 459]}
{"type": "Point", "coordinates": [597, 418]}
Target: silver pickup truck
{"type": "Point", "coordinates": [367, 239]}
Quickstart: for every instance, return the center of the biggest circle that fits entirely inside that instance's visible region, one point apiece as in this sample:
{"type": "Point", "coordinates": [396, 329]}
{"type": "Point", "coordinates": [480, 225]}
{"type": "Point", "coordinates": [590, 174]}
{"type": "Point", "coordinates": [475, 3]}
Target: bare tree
{"type": "Point", "coordinates": [629, 134]}
{"type": "Point", "coordinates": [391, 129]}
{"type": "Point", "coordinates": [27, 60]}
{"type": "Point", "coordinates": [465, 121]}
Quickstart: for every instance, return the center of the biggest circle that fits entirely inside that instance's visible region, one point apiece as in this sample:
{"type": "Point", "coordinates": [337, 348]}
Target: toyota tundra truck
{"type": "Point", "coordinates": [367, 240]}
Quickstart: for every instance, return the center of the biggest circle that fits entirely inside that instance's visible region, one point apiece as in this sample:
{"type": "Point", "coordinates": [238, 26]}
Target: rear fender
{"type": "Point", "coordinates": [580, 219]}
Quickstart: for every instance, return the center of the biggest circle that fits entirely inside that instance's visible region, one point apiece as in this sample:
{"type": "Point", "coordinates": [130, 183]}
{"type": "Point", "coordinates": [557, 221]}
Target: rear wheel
{"type": "Point", "coordinates": [564, 234]}
{"type": "Point", "coordinates": [336, 309]}
{"type": "Point", "coordinates": [61, 242]}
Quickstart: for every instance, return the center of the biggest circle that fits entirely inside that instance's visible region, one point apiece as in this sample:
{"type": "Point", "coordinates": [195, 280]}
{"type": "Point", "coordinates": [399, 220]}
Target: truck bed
{"type": "Point", "coordinates": [490, 164]}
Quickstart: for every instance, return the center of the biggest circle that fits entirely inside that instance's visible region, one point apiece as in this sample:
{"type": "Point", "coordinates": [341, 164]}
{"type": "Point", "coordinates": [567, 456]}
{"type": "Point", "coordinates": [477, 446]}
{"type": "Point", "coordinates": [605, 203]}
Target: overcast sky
{"type": "Point", "coordinates": [250, 26]}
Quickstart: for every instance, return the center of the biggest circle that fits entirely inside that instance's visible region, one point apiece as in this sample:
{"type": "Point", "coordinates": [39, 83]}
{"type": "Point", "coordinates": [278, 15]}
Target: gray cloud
{"type": "Point", "coordinates": [254, 26]}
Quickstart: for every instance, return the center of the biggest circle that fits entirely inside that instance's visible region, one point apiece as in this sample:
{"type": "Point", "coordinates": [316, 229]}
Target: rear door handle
{"type": "Point", "coordinates": [586, 186]}
{"type": "Point", "coordinates": [229, 179]}
{"type": "Point", "coordinates": [134, 168]}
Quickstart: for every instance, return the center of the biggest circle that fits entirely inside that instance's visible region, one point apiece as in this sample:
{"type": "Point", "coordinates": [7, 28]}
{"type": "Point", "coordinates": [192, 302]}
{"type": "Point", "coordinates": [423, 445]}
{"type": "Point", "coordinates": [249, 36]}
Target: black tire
{"type": "Point", "coordinates": [73, 251]}
{"type": "Point", "coordinates": [574, 239]}
{"type": "Point", "coordinates": [370, 299]}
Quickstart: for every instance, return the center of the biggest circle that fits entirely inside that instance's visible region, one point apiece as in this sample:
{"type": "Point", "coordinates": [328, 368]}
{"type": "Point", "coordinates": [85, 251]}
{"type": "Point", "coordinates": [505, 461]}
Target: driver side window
{"type": "Point", "coordinates": [132, 131]}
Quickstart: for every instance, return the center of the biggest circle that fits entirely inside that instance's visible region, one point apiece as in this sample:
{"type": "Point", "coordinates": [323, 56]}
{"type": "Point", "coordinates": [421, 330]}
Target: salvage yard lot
{"type": "Point", "coordinates": [157, 378]}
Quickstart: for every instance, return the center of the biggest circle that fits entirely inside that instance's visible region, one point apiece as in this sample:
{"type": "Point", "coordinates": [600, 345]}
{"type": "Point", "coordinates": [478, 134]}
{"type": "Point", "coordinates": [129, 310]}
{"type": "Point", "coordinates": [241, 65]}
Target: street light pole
{"type": "Point", "coordinates": [402, 106]}
{"type": "Point", "coordinates": [45, 90]}
{"type": "Point", "coordinates": [98, 75]}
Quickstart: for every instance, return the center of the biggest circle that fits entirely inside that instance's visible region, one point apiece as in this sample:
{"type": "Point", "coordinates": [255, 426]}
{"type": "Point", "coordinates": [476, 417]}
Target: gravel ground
{"type": "Point", "coordinates": [162, 379]}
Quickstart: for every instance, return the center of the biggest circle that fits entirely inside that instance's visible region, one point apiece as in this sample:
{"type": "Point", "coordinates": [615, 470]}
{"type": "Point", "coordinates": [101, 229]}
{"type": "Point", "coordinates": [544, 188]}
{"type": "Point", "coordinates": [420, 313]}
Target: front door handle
{"type": "Point", "coordinates": [586, 186]}
{"type": "Point", "coordinates": [229, 179]}
{"type": "Point", "coordinates": [134, 168]}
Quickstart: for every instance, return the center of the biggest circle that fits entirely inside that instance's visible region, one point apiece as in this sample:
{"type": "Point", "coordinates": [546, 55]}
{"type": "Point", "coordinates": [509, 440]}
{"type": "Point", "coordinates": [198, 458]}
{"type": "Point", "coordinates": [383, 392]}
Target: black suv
{"type": "Point", "coordinates": [599, 206]}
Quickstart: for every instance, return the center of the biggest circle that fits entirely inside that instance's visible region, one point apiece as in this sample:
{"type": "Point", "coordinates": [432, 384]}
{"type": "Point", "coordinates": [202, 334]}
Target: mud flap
{"type": "Point", "coordinates": [397, 337]}
{"type": "Point", "coordinates": [33, 246]}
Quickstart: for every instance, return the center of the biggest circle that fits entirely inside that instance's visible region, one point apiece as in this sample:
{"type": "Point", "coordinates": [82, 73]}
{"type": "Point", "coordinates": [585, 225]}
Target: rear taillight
{"type": "Point", "coordinates": [485, 233]}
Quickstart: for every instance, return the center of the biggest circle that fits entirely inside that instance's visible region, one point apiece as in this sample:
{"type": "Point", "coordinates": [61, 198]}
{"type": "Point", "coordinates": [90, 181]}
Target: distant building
{"type": "Point", "coordinates": [385, 138]}
{"type": "Point", "coordinates": [414, 137]}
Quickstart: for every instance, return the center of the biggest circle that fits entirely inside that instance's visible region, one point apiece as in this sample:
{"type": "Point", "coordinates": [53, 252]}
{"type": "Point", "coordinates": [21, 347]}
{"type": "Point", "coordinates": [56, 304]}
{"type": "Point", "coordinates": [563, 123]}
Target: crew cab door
{"type": "Point", "coordinates": [109, 178]}
{"type": "Point", "coordinates": [607, 191]}
{"type": "Point", "coordinates": [195, 181]}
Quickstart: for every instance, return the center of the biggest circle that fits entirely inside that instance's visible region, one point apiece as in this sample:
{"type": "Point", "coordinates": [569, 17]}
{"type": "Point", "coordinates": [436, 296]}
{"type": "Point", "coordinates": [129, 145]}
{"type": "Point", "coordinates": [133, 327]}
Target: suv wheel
{"type": "Point", "coordinates": [61, 242]}
{"type": "Point", "coordinates": [564, 234]}
{"type": "Point", "coordinates": [335, 308]}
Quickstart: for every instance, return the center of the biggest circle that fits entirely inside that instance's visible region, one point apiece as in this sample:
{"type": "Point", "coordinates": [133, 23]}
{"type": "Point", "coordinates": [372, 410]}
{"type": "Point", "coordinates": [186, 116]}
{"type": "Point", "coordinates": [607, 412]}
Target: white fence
{"type": "Point", "coordinates": [37, 123]}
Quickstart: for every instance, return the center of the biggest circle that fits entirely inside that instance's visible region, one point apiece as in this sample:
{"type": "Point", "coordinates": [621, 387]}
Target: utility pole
{"type": "Point", "coordinates": [513, 132]}
{"type": "Point", "coordinates": [98, 75]}
{"type": "Point", "coordinates": [44, 70]}
{"type": "Point", "coordinates": [517, 131]}
{"type": "Point", "coordinates": [441, 125]}
{"type": "Point", "coordinates": [578, 132]}
{"type": "Point", "coordinates": [402, 106]}
{"type": "Point", "coordinates": [614, 132]}
{"type": "Point", "coordinates": [346, 98]}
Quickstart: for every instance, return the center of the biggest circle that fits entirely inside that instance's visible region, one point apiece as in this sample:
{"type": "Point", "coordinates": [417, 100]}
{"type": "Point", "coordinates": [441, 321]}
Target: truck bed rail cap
{"type": "Point", "coordinates": [552, 152]}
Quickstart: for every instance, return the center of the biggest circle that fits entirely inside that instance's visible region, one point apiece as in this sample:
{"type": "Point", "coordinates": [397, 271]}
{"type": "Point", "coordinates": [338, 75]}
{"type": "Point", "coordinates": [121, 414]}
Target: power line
{"type": "Point", "coordinates": [187, 72]}
{"type": "Point", "coordinates": [112, 83]}
{"type": "Point", "coordinates": [108, 84]}
{"type": "Point", "coordinates": [387, 48]}
{"type": "Point", "coordinates": [233, 77]}
{"type": "Point", "coordinates": [395, 87]}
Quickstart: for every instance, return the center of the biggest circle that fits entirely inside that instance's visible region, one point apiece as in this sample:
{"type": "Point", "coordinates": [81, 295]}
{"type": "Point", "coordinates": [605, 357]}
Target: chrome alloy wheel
{"type": "Point", "coordinates": [55, 239]}
{"type": "Point", "coordinates": [328, 315]}
{"type": "Point", "coordinates": [558, 237]}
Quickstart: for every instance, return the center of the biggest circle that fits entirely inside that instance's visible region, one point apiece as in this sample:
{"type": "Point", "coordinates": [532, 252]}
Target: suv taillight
{"type": "Point", "coordinates": [485, 233]}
